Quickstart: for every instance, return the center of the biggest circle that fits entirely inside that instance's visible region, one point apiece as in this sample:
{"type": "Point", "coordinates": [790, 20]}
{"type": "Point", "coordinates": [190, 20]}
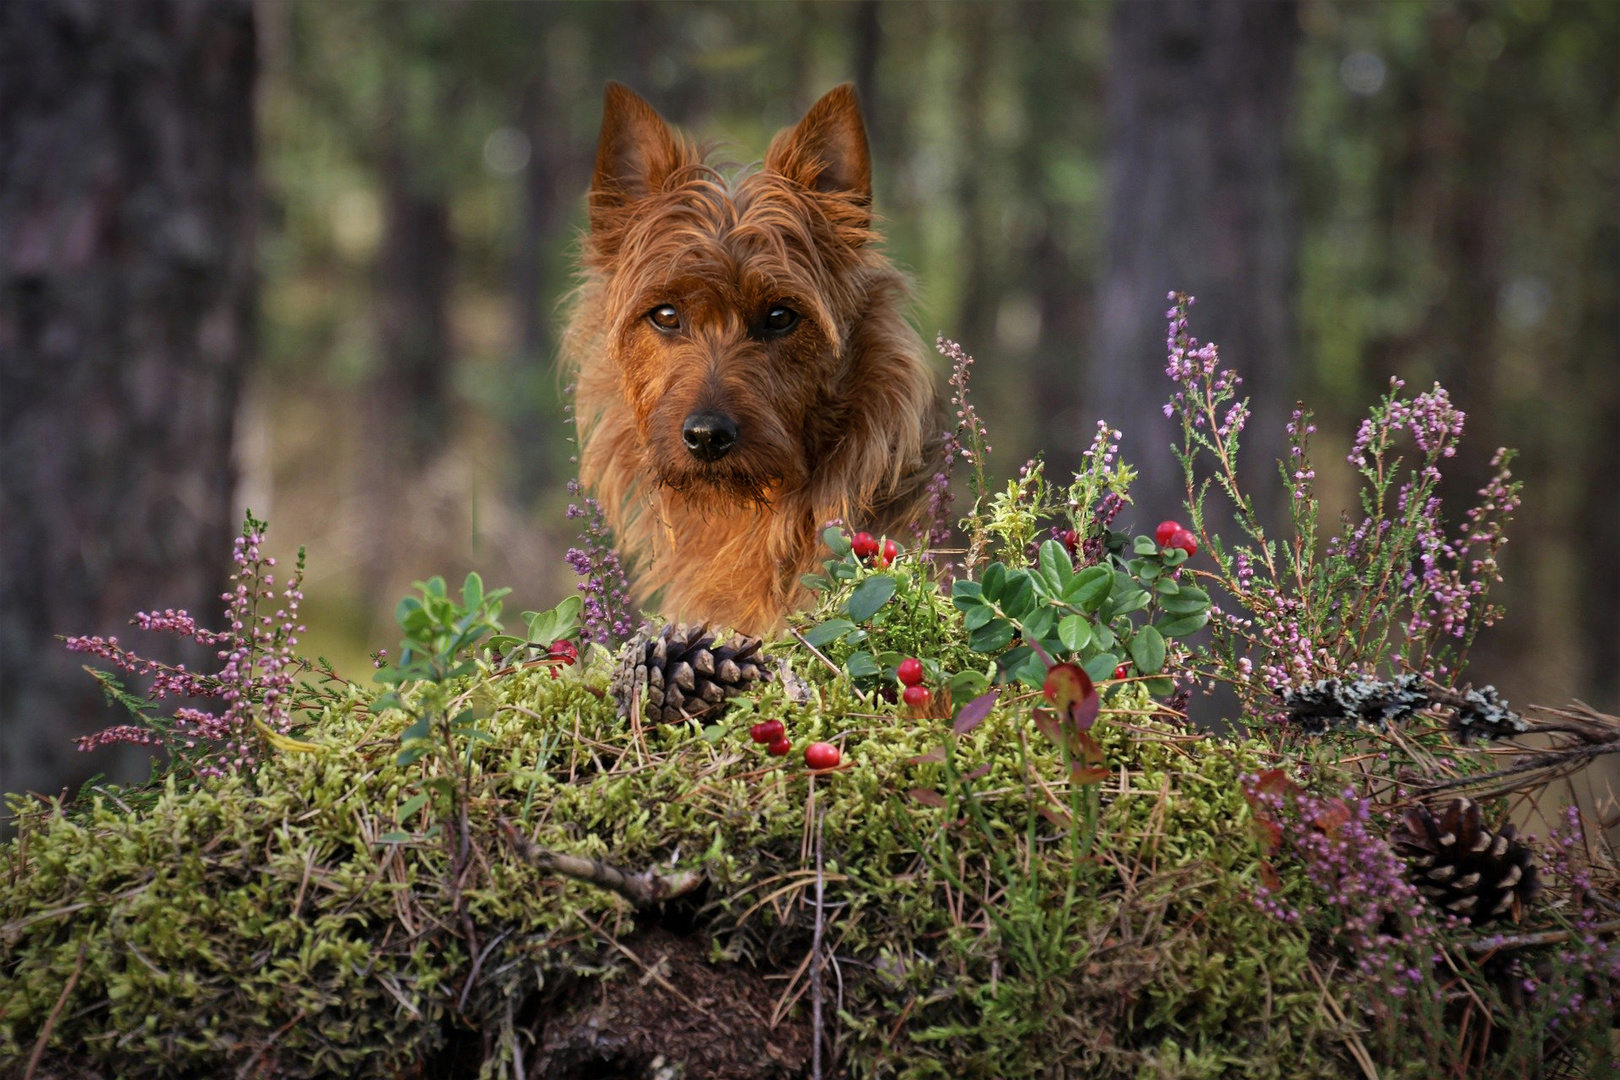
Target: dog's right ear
{"type": "Point", "coordinates": [635, 155]}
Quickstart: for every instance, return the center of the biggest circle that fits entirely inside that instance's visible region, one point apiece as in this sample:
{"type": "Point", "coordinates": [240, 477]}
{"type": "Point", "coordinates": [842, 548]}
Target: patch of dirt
{"type": "Point", "coordinates": [672, 1015]}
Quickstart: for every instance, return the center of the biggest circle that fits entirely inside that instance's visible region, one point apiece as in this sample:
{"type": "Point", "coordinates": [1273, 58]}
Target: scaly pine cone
{"type": "Point", "coordinates": [683, 671]}
{"type": "Point", "coordinates": [1463, 867]}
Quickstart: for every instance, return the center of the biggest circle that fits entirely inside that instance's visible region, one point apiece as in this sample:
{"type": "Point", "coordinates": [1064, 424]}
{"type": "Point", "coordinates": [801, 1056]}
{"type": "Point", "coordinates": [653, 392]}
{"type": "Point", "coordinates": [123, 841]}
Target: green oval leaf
{"type": "Point", "coordinates": [978, 616]}
{"type": "Point", "coordinates": [835, 539]}
{"type": "Point", "coordinates": [993, 636]}
{"type": "Point", "coordinates": [1188, 599]}
{"type": "Point", "coordinates": [1039, 623]}
{"type": "Point", "coordinates": [1101, 667]}
{"type": "Point", "coordinates": [1075, 632]}
{"type": "Point", "coordinates": [828, 632]}
{"type": "Point", "coordinates": [1090, 587]}
{"type": "Point", "coordinates": [1147, 650]}
{"type": "Point", "coordinates": [868, 596]}
{"type": "Point", "coordinates": [1182, 625]}
{"type": "Point", "coordinates": [995, 577]}
{"type": "Point", "coordinates": [861, 666]}
{"type": "Point", "coordinates": [1018, 596]}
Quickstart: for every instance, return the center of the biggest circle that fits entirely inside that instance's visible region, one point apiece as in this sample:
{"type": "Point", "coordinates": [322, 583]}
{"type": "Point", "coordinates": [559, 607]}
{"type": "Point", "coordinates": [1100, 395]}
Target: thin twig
{"type": "Point", "coordinates": [815, 963]}
{"type": "Point", "coordinates": [50, 1021]}
{"type": "Point", "coordinates": [642, 889]}
{"type": "Point", "coordinates": [817, 653]}
{"type": "Point", "coordinates": [1541, 937]}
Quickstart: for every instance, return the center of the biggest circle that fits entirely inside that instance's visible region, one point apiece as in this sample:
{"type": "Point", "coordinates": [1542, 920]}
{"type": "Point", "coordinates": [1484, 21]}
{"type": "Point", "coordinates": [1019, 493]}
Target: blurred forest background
{"type": "Point", "coordinates": [306, 256]}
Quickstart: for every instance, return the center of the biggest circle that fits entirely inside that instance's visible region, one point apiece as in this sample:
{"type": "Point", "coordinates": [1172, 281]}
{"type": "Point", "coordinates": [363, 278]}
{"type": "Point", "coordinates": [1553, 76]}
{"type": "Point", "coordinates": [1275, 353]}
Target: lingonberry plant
{"type": "Point", "coordinates": [1394, 591]}
{"type": "Point", "coordinates": [257, 682]}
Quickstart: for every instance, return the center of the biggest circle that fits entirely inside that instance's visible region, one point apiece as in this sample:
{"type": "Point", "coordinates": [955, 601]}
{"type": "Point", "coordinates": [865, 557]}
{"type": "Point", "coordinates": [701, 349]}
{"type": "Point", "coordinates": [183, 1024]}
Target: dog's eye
{"type": "Point", "coordinates": [779, 320]}
{"type": "Point", "coordinates": [665, 317]}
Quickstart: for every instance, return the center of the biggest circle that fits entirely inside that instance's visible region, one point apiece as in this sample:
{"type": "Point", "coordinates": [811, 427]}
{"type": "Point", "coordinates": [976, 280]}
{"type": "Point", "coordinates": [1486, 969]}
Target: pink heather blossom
{"type": "Point", "coordinates": [255, 680]}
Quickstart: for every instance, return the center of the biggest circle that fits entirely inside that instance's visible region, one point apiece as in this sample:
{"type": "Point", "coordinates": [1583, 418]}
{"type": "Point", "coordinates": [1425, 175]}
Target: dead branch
{"type": "Point", "coordinates": [1486, 946]}
{"type": "Point", "coordinates": [1585, 735]}
{"type": "Point", "coordinates": [642, 889]}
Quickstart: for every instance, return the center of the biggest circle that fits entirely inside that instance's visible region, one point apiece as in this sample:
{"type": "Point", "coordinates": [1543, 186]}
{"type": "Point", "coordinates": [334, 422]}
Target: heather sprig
{"type": "Point", "coordinates": [1394, 592]}
{"type": "Point", "coordinates": [1362, 896]}
{"type": "Point", "coordinates": [970, 439]}
{"type": "Point", "coordinates": [606, 618]}
{"type": "Point", "coordinates": [256, 682]}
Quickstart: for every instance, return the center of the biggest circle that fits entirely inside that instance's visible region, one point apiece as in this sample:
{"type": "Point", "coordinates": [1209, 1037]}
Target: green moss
{"type": "Point", "coordinates": [287, 917]}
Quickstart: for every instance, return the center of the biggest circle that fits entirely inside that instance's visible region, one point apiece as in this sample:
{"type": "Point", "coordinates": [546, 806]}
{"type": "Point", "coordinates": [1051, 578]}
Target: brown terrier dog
{"type": "Point", "coordinates": [743, 370]}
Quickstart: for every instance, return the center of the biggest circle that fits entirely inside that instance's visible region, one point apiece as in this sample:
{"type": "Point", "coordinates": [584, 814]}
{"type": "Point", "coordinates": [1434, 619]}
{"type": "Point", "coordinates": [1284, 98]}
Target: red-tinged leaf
{"type": "Point", "coordinates": [1269, 878]}
{"type": "Point", "coordinates": [976, 773]}
{"type": "Point", "coordinates": [1273, 781]}
{"type": "Point", "coordinates": [974, 712]}
{"type": "Point", "coordinates": [1334, 813]}
{"type": "Point", "coordinates": [1056, 816]}
{"type": "Point", "coordinates": [1089, 750]}
{"type": "Point", "coordinates": [1046, 722]}
{"type": "Point", "coordinates": [934, 756]}
{"type": "Point", "coordinates": [928, 798]}
{"type": "Point", "coordinates": [1269, 833]}
{"type": "Point", "coordinates": [1069, 688]}
{"type": "Point", "coordinates": [1089, 774]}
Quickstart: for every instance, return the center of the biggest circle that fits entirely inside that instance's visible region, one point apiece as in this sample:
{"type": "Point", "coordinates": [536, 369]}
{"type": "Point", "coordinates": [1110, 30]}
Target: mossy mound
{"type": "Point", "coordinates": [293, 922]}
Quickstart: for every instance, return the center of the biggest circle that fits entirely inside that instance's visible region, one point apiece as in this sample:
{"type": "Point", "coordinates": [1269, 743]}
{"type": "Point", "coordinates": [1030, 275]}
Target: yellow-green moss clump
{"type": "Point", "coordinates": [301, 921]}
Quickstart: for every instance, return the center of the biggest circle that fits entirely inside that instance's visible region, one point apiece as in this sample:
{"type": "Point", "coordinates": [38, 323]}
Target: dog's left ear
{"type": "Point", "coordinates": [827, 151]}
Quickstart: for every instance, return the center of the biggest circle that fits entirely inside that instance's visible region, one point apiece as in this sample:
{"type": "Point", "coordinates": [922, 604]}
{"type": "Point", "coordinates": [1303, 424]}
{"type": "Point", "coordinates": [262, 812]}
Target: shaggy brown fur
{"type": "Point", "coordinates": [743, 369]}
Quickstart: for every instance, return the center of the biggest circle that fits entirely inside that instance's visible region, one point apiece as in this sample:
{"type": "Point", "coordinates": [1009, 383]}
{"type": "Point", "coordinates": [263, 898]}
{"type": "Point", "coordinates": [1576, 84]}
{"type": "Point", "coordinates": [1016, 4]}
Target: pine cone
{"type": "Point", "coordinates": [1462, 866]}
{"type": "Point", "coordinates": [683, 671]}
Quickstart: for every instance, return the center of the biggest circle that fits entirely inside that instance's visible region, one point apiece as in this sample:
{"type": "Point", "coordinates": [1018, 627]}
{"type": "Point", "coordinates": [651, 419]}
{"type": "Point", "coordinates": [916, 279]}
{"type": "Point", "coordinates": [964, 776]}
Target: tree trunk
{"type": "Point", "coordinates": [1200, 200]}
{"type": "Point", "coordinates": [126, 302]}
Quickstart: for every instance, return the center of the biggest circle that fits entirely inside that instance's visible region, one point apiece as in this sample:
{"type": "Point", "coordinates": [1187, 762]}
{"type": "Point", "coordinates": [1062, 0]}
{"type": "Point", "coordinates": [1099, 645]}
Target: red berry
{"type": "Point", "coordinates": [566, 651]}
{"type": "Point", "coordinates": [1123, 671]}
{"type": "Point", "coordinates": [864, 545]}
{"type": "Point", "coordinates": [1071, 540]}
{"type": "Point", "coordinates": [821, 755]}
{"type": "Point", "coordinates": [887, 554]}
{"type": "Point", "coordinates": [1165, 531]}
{"type": "Point", "coordinates": [916, 696]}
{"type": "Point", "coordinates": [767, 731]}
{"type": "Point", "coordinates": [780, 746]}
{"type": "Point", "coordinates": [1184, 540]}
{"type": "Point", "coordinates": [910, 671]}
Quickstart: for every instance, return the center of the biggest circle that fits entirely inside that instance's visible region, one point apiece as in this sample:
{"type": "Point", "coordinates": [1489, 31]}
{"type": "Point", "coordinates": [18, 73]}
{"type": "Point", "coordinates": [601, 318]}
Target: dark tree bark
{"type": "Point", "coordinates": [126, 301]}
{"type": "Point", "coordinates": [1200, 200]}
{"type": "Point", "coordinates": [866, 30]}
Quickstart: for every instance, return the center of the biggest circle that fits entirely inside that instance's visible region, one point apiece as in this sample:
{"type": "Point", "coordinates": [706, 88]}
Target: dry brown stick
{"type": "Point", "coordinates": [1352, 1041]}
{"type": "Point", "coordinates": [815, 964]}
{"type": "Point", "coordinates": [642, 889]}
{"type": "Point", "coordinates": [50, 1021]}
{"type": "Point", "coordinates": [819, 655]}
{"type": "Point", "coordinates": [1570, 757]}
{"type": "Point", "coordinates": [1540, 937]}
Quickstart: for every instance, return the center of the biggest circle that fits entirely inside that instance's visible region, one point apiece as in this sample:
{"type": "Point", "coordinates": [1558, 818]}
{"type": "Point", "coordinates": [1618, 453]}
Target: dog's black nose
{"type": "Point", "coordinates": [710, 436]}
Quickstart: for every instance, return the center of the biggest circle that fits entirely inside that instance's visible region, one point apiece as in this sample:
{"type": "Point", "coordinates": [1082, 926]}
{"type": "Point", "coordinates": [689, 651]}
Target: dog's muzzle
{"type": "Point", "coordinates": [709, 436]}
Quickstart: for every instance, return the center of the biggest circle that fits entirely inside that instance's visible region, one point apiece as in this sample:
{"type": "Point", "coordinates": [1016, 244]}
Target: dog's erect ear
{"type": "Point", "coordinates": [827, 150]}
{"type": "Point", "coordinates": [635, 155]}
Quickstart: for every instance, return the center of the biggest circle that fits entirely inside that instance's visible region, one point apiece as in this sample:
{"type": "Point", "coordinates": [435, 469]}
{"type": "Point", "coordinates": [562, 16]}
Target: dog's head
{"type": "Point", "coordinates": [730, 300]}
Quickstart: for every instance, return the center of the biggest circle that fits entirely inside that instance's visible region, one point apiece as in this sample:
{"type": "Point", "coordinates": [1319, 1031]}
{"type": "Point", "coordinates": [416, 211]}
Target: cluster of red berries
{"type": "Point", "coordinates": [564, 652]}
{"type": "Point", "coordinates": [1171, 534]}
{"type": "Point", "coordinates": [867, 546]}
{"type": "Point", "coordinates": [910, 674]}
{"type": "Point", "coordinates": [772, 735]}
